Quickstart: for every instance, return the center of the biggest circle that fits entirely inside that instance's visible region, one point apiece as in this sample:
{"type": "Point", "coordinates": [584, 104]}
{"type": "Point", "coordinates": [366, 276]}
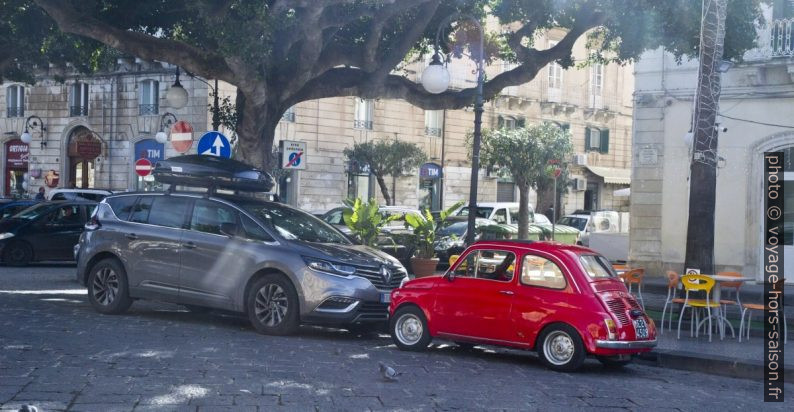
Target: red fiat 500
{"type": "Point", "coordinates": [563, 301]}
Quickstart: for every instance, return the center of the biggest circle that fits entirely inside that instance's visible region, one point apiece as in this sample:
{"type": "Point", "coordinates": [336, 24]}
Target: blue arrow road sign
{"type": "Point", "coordinates": [215, 144]}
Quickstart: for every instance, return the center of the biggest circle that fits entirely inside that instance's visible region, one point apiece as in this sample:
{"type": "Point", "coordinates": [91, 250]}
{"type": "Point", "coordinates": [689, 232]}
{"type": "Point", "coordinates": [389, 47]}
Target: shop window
{"type": "Point", "coordinates": [149, 98]}
{"type": "Point", "coordinates": [358, 186]}
{"type": "Point", "coordinates": [434, 120]}
{"type": "Point", "coordinates": [78, 102]}
{"type": "Point", "coordinates": [15, 101]}
{"type": "Point", "coordinates": [505, 192]}
{"type": "Point", "coordinates": [363, 114]}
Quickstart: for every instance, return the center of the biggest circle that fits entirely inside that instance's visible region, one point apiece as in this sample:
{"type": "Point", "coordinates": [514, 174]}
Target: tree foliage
{"type": "Point", "coordinates": [524, 154]}
{"type": "Point", "coordinates": [281, 52]}
{"type": "Point", "coordinates": [392, 158]}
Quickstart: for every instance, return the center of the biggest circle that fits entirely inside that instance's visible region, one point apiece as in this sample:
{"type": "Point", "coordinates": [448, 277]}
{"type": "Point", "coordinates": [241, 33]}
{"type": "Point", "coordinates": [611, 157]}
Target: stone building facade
{"type": "Point", "coordinates": [116, 115]}
{"type": "Point", "coordinates": [753, 118]}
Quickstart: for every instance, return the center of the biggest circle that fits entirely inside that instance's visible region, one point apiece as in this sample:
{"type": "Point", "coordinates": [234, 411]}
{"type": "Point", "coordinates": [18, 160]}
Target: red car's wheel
{"type": "Point", "coordinates": [409, 329]}
{"type": "Point", "coordinates": [561, 348]}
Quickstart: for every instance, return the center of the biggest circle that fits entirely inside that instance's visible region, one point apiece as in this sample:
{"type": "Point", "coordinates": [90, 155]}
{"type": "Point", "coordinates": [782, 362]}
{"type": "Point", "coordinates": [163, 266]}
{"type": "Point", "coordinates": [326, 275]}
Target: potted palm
{"type": "Point", "coordinates": [424, 227]}
{"type": "Point", "coordinates": [365, 220]}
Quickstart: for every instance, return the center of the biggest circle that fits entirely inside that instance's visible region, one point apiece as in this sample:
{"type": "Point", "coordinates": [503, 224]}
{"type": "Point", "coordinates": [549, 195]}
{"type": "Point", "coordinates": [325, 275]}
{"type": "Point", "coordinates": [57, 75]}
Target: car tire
{"type": "Point", "coordinates": [18, 253]}
{"type": "Point", "coordinates": [561, 348]}
{"type": "Point", "coordinates": [611, 363]}
{"type": "Point", "coordinates": [272, 305]}
{"type": "Point", "coordinates": [108, 290]}
{"type": "Point", "coordinates": [409, 330]}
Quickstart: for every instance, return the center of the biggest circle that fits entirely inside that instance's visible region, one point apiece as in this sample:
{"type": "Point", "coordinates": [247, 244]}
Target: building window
{"type": "Point", "coordinates": [289, 115]}
{"type": "Point", "coordinates": [510, 122]}
{"type": "Point", "coordinates": [78, 104]}
{"type": "Point", "coordinates": [555, 78]}
{"type": "Point", "coordinates": [596, 140]}
{"type": "Point", "coordinates": [15, 101]}
{"type": "Point", "coordinates": [363, 114]}
{"type": "Point", "coordinates": [596, 85]}
{"type": "Point", "coordinates": [150, 98]}
{"type": "Point", "coordinates": [434, 120]}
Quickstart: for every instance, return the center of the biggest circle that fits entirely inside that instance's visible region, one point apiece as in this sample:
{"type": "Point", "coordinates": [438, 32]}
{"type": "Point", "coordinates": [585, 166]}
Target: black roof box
{"type": "Point", "coordinates": [211, 172]}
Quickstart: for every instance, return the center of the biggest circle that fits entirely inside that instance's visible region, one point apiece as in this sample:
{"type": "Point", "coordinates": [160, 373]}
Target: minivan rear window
{"type": "Point", "coordinates": [597, 266]}
{"type": "Point", "coordinates": [122, 205]}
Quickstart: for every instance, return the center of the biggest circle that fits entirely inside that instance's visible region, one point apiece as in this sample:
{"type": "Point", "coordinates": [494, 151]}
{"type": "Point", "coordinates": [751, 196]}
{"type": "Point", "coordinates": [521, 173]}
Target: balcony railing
{"type": "Point", "coordinates": [75, 111]}
{"type": "Point", "coordinates": [15, 112]}
{"type": "Point", "coordinates": [433, 131]}
{"type": "Point", "coordinates": [362, 124]}
{"type": "Point", "coordinates": [774, 40]}
{"type": "Point", "coordinates": [148, 109]}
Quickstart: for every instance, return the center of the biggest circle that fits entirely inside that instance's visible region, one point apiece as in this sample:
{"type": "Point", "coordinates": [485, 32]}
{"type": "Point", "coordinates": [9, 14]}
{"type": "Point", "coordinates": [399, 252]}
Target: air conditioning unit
{"type": "Point", "coordinates": [579, 184]}
{"type": "Point", "coordinates": [580, 159]}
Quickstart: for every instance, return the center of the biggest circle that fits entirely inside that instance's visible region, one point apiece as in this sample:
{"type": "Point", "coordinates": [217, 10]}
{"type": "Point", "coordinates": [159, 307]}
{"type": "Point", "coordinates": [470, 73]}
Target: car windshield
{"type": "Point", "coordinates": [33, 212]}
{"type": "Point", "coordinates": [577, 222]}
{"type": "Point", "coordinates": [458, 229]}
{"type": "Point", "coordinates": [484, 212]}
{"type": "Point", "coordinates": [597, 266]}
{"type": "Point", "coordinates": [292, 224]}
{"type": "Point", "coordinates": [541, 219]}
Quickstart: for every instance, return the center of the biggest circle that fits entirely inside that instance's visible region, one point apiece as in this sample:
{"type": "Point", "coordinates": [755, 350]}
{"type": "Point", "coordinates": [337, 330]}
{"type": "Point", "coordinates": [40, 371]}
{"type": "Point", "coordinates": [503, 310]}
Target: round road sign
{"type": "Point", "coordinates": [143, 167]}
{"type": "Point", "coordinates": [182, 136]}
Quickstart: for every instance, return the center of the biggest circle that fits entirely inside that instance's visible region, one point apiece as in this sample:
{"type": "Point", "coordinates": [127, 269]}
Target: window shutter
{"type": "Point", "coordinates": [586, 139]}
{"type": "Point", "coordinates": [500, 122]}
{"type": "Point", "coordinates": [604, 141]}
{"type": "Point", "coordinates": [520, 122]}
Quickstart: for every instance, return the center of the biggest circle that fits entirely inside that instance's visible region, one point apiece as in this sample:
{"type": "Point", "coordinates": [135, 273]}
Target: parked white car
{"type": "Point", "coordinates": [95, 195]}
{"type": "Point", "coordinates": [499, 212]}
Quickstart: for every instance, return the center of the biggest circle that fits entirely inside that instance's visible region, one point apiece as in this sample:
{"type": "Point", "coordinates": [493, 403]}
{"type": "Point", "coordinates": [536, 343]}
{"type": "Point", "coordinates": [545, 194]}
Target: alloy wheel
{"type": "Point", "coordinates": [408, 329]}
{"type": "Point", "coordinates": [558, 348]}
{"type": "Point", "coordinates": [271, 305]}
{"type": "Point", "coordinates": [105, 286]}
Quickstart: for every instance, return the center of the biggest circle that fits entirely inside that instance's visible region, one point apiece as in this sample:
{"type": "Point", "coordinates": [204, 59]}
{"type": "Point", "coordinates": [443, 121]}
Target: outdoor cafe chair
{"type": "Point", "coordinates": [731, 286]}
{"type": "Point", "coordinates": [670, 300]}
{"type": "Point", "coordinates": [748, 308]}
{"type": "Point", "coordinates": [696, 284]}
{"type": "Point", "coordinates": [634, 277]}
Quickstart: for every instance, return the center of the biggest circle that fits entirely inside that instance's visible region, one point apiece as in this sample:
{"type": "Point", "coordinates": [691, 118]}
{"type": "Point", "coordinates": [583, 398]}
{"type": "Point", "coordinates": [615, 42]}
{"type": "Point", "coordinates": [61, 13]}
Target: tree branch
{"type": "Point", "coordinates": [138, 44]}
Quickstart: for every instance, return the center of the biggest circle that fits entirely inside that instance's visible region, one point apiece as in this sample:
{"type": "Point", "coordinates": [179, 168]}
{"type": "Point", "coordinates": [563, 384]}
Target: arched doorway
{"type": "Point", "coordinates": [83, 149]}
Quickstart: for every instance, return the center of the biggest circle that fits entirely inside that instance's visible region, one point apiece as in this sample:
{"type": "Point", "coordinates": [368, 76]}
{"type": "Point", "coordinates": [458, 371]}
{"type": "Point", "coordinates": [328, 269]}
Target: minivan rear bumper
{"type": "Point", "coordinates": [626, 344]}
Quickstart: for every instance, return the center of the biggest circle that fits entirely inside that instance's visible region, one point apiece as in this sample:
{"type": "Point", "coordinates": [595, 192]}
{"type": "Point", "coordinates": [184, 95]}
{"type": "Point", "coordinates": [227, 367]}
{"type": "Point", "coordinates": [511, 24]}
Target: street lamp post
{"type": "Point", "coordinates": [435, 79]}
{"type": "Point", "coordinates": [166, 121]}
{"type": "Point", "coordinates": [34, 122]}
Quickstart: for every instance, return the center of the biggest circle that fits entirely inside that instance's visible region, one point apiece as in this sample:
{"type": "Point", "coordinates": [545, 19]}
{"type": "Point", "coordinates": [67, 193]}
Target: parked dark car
{"type": "Point", "coordinates": [450, 238]}
{"type": "Point", "coordinates": [46, 231]}
{"type": "Point", "coordinates": [8, 209]}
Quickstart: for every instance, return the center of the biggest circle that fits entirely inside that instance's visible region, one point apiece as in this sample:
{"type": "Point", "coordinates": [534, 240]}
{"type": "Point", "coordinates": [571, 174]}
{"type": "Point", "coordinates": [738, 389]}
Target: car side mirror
{"type": "Point", "coordinates": [450, 276]}
{"type": "Point", "coordinates": [228, 229]}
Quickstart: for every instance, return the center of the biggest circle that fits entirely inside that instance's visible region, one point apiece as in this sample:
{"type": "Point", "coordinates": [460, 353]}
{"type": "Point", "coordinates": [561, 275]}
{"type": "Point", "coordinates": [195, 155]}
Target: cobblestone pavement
{"type": "Point", "coordinates": [58, 354]}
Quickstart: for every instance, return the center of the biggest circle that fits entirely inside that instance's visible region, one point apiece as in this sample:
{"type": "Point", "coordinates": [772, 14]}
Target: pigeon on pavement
{"type": "Point", "coordinates": [388, 373]}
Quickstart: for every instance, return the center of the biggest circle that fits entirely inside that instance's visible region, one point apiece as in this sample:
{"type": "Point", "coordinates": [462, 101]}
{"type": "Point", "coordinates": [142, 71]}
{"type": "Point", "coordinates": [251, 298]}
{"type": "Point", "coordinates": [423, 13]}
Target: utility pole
{"type": "Point", "coordinates": [703, 164]}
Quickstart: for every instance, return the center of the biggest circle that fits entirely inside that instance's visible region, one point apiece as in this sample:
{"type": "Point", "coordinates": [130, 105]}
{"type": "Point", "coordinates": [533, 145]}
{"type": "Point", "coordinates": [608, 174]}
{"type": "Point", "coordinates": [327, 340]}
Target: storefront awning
{"type": "Point", "coordinates": [612, 175]}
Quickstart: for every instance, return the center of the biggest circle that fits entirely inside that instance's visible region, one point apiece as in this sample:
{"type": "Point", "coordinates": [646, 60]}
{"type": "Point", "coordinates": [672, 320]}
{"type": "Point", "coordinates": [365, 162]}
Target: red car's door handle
{"type": "Point", "coordinates": [506, 292]}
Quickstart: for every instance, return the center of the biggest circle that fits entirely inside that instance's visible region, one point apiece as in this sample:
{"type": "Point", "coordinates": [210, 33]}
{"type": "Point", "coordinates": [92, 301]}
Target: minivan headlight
{"type": "Point", "coordinates": [6, 235]}
{"type": "Point", "coordinates": [329, 267]}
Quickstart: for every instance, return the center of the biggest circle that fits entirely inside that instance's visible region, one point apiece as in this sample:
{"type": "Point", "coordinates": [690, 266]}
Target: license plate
{"type": "Point", "coordinates": [640, 329]}
{"type": "Point", "coordinates": [386, 298]}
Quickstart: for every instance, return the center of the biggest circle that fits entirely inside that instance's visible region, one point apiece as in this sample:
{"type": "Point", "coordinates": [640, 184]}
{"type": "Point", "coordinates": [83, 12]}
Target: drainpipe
{"type": "Point", "coordinates": [443, 172]}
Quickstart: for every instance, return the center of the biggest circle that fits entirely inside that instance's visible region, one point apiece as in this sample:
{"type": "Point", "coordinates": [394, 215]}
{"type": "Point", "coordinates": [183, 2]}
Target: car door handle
{"type": "Point", "coordinates": [506, 292]}
{"type": "Point", "coordinates": [189, 245]}
{"type": "Point", "coordinates": [131, 236]}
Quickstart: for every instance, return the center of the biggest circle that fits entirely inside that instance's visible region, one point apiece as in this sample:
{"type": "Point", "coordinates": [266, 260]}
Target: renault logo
{"type": "Point", "coordinates": [385, 273]}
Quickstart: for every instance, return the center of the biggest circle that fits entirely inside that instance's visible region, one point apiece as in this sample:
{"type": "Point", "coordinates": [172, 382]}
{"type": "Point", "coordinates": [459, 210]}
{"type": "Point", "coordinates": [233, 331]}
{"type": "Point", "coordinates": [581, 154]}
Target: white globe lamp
{"type": "Point", "coordinates": [176, 96]}
{"type": "Point", "coordinates": [26, 137]}
{"type": "Point", "coordinates": [161, 137]}
{"type": "Point", "coordinates": [435, 78]}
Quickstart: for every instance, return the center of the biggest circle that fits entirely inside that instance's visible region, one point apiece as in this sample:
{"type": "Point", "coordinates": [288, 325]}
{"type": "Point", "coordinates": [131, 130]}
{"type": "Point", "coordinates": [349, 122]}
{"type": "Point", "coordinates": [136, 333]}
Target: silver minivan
{"type": "Point", "coordinates": [280, 266]}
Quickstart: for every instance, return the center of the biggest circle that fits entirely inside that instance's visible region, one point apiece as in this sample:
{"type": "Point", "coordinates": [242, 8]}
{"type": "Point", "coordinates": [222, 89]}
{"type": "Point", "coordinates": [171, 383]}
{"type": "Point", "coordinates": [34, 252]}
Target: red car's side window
{"type": "Point", "coordinates": [488, 264]}
{"type": "Point", "coordinates": [542, 272]}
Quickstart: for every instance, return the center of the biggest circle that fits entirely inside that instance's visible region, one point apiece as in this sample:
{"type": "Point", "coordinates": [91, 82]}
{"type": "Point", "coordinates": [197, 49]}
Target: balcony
{"type": "Point", "coordinates": [75, 111]}
{"type": "Point", "coordinates": [15, 112]}
{"type": "Point", "coordinates": [148, 109]}
{"type": "Point", "coordinates": [774, 40]}
{"type": "Point", "coordinates": [362, 124]}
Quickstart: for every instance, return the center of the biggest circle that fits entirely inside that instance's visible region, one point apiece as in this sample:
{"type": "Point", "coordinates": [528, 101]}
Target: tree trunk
{"type": "Point", "coordinates": [523, 211]}
{"type": "Point", "coordinates": [383, 188]}
{"type": "Point", "coordinates": [393, 190]}
{"type": "Point", "coordinates": [545, 198]}
{"type": "Point", "coordinates": [703, 184]}
{"type": "Point", "coordinates": [256, 129]}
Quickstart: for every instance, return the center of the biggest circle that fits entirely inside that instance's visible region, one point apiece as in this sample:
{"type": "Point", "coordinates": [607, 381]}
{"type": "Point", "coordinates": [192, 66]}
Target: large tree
{"type": "Point", "coordinates": [279, 53]}
{"type": "Point", "coordinates": [524, 154]}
